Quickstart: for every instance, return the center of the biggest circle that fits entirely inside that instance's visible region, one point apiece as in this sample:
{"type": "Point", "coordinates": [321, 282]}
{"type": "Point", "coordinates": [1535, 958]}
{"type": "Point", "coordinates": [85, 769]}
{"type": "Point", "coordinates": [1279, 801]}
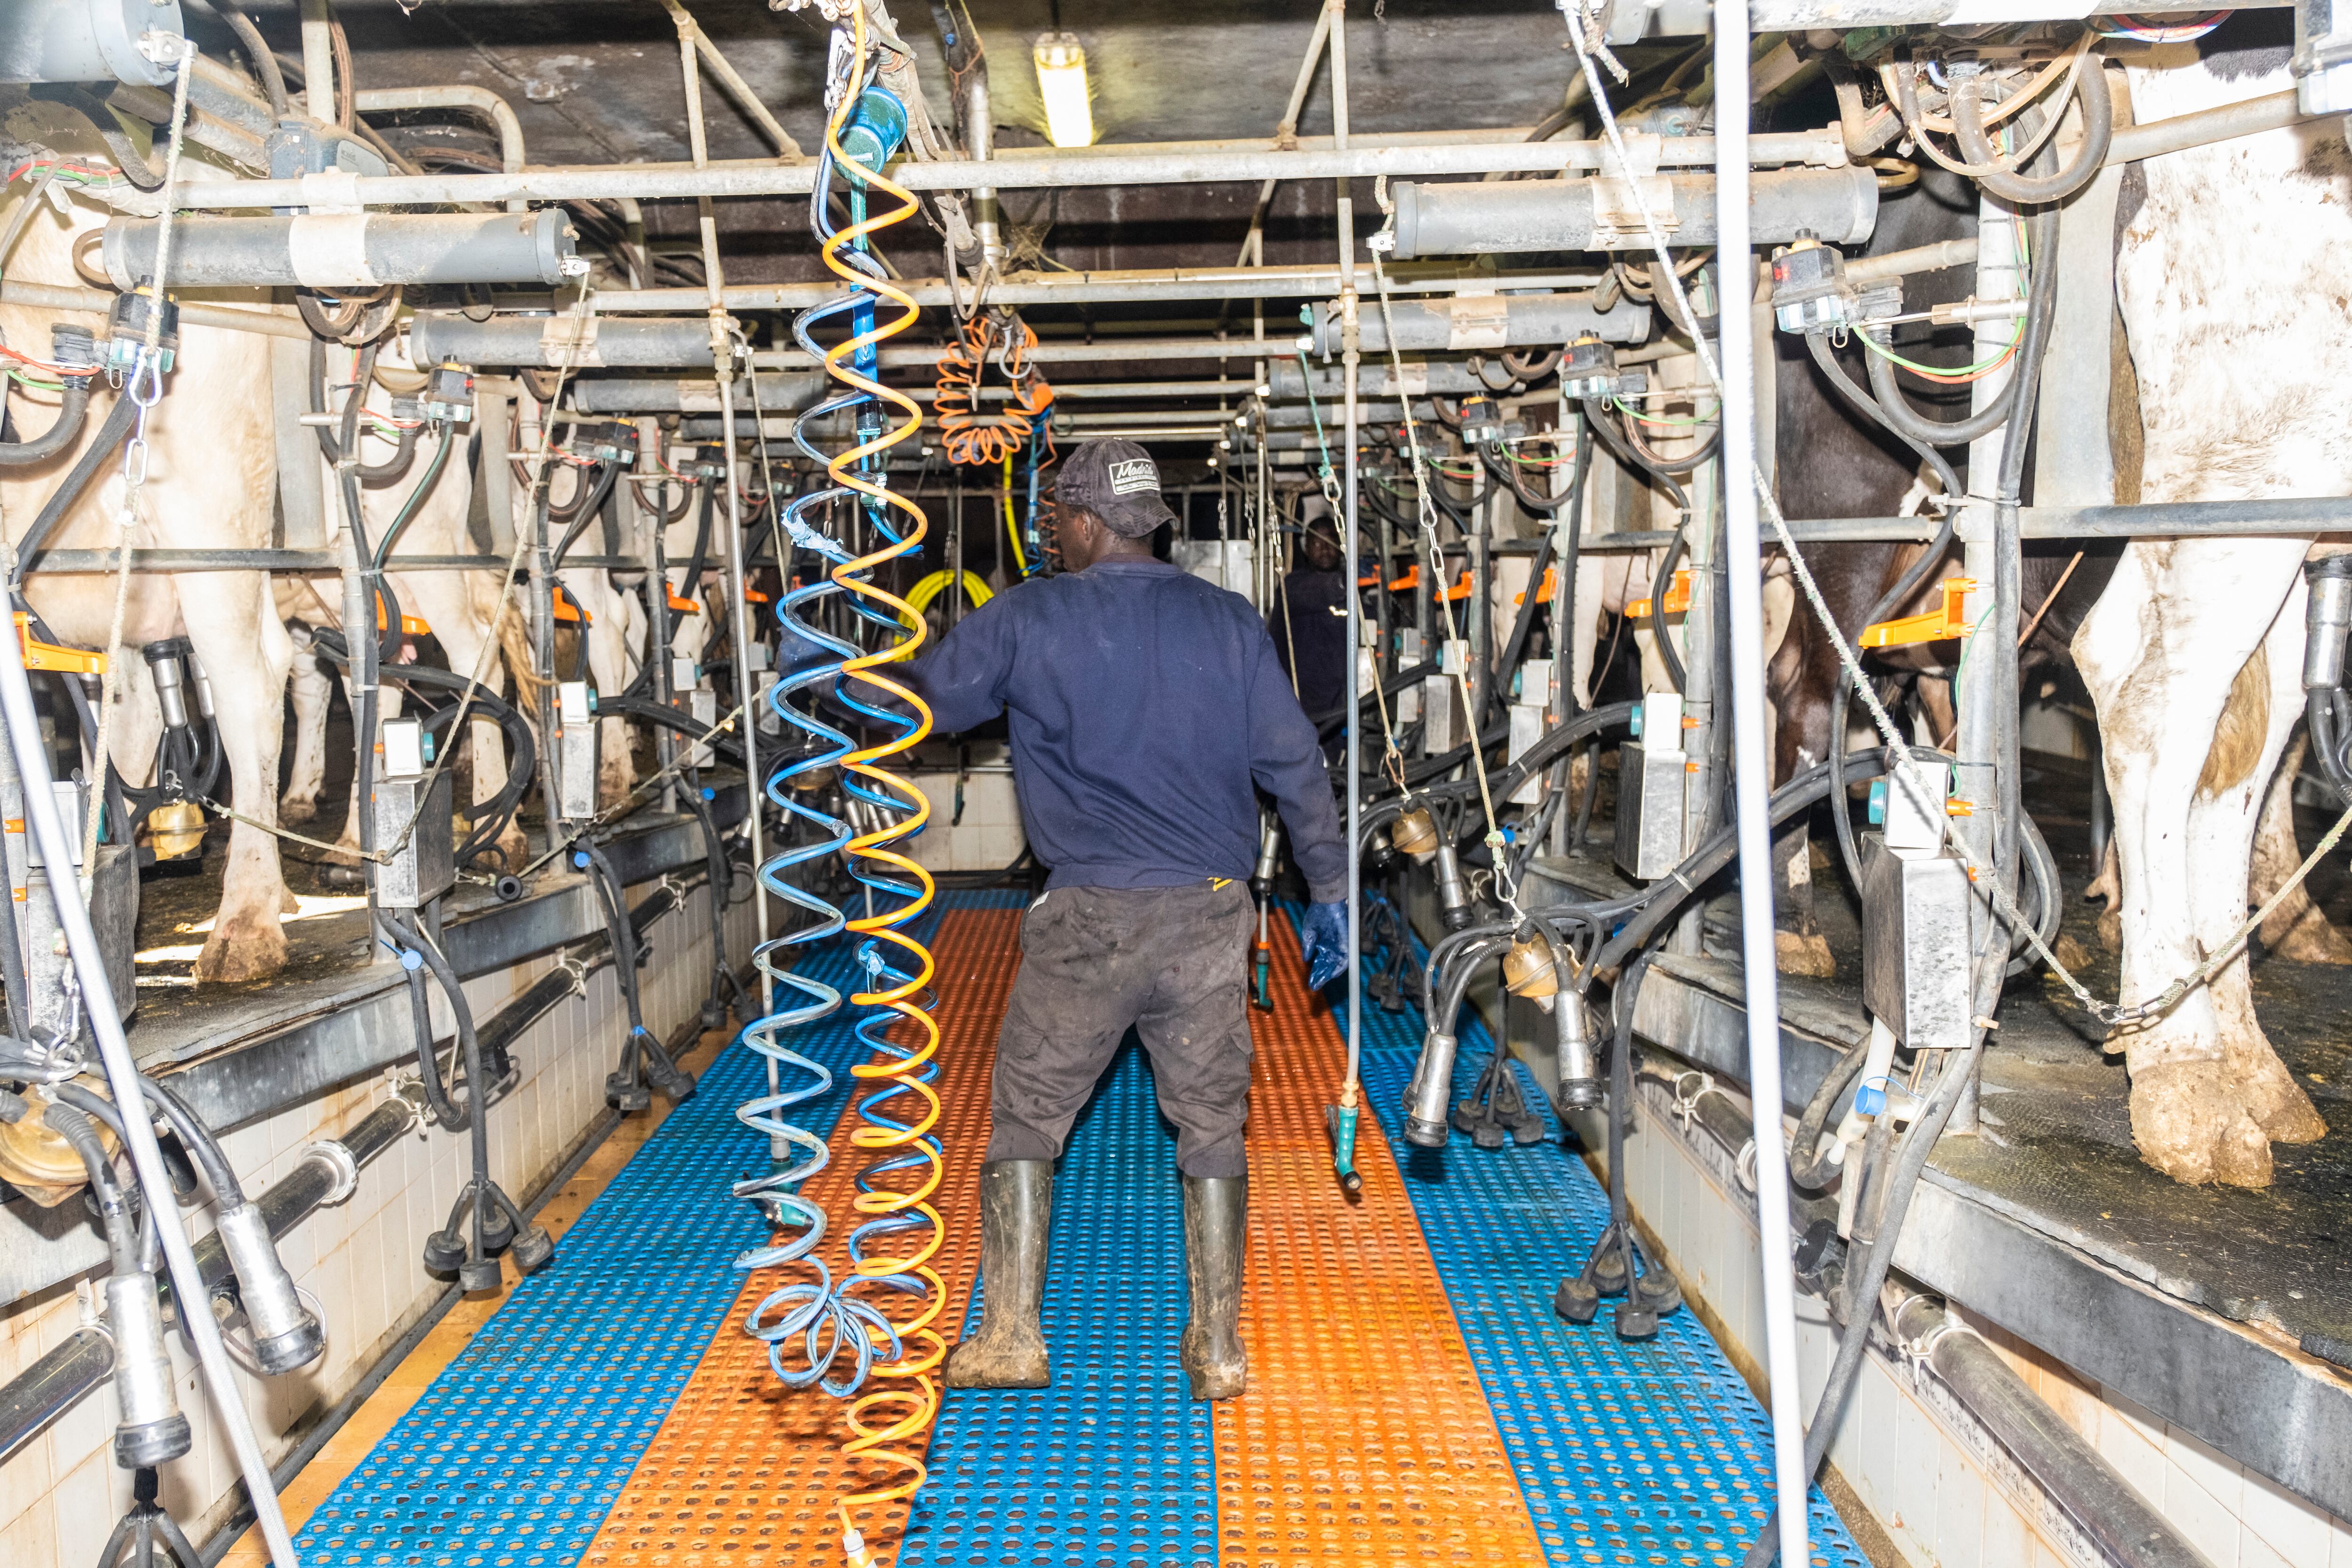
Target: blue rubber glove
{"type": "Point", "coordinates": [1323, 935]}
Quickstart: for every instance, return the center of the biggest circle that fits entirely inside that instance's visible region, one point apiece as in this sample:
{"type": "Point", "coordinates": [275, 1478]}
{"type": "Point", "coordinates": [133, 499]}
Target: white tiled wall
{"type": "Point", "coordinates": [990, 835]}
{"type": "Point", "coordinates": [1947, 1495]}
{"type": "Point", "coordinates": [60, 1496]}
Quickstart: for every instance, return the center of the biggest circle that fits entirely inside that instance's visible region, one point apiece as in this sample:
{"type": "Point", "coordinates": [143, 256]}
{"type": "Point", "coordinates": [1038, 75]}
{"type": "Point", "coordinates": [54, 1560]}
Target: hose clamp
{"type": "Point", "coordinates": [339, 1159]}
{"type": "Point", "coordinates": [576, 970]}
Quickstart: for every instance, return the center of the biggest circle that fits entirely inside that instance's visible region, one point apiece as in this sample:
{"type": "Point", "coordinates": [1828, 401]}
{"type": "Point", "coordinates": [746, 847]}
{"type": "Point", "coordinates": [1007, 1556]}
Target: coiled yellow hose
{"type": "Point", "coordinates": [888, 1424]}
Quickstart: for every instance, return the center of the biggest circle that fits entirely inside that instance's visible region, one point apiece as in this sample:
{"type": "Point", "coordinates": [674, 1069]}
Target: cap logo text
{"type": "Point", "coordinates": [1135, 473]}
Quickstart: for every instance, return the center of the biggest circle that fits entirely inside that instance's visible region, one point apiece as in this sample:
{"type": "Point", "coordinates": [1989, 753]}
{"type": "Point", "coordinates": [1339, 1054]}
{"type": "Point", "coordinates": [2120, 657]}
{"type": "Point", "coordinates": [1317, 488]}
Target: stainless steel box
{"type": "Point", "coordinates": [1915, 945]}
{"type": "Point", "coordinates": [575, 753]}
{"type": "Point", "coordinates": [425, 867]}
{"type": "Point", "coordinates": [1650, 787]}
{"type": "Point", "coordinates": [113, 914]}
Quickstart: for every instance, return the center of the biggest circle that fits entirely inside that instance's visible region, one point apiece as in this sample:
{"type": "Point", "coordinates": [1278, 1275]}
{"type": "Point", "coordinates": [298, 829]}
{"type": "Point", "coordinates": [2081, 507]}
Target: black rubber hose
{"type": "Point", "coordinates": [95, 457]}
{"type": "Point", "coordinates": [1661, 582]}
{"type": "Point", "coordinates": [1656, 463]}
{"type": "Point", "coordinates": [2040, 304]}
{"type": "Point", "coordinates": [403, 454]}
{"type": "Point", "coordinates": [415, 502]}
{"type": "Point", "coordinates": [2097, 103]}
{"type": "Point", "coordinates": [265, 64]}
{"type": "Point", "coordinates": [113, 1206]}
{"type": "Point", "coordinates": [1597, 419]}
{"type": "Point", "coordinates": [1826, 361]}
{"type": "Point", "coordinates": [1863, 1285]}
{"type": "Point", "coordinates": [591, 509]}
{"type": "Point", "coordinates": [73, 408]}
{"type": "Point", "coordinates": [1804, 1169]}
{"type": "Point", "coordinates": [445, 1110]}
{"type": "Point", "coordinates": [1529, 601]}
{"type": "Point", "coordinates": [198, 1138]}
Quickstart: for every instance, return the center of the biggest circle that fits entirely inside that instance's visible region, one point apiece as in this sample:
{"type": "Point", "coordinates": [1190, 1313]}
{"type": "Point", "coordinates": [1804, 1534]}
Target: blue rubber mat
{"type": "Point", "coordinates": [1114, 1463]}
{"type": "Point", "coordinates": [1649, 1453]}
{"type": "Point", "coordinates": [517, 1452]}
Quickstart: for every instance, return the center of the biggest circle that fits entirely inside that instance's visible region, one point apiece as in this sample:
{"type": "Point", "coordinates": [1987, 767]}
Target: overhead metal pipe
{"type": "Point", "coordinates": [1839, 207]}
{"type": "Point", "coordinates": [1049, 352]}
{"type": "Point", "coordinates": [1157, 284]}
{"type": "Point", "coordinates": [1479, 323]}
{"type": "Point", "coordinates": [1063, 169]}
{"type": "Point", "coordinates": [456, 95]}
{"type": "Point", "coordinates": [352, 250]}
{"type": "Point", "coordinates": [552, 342]}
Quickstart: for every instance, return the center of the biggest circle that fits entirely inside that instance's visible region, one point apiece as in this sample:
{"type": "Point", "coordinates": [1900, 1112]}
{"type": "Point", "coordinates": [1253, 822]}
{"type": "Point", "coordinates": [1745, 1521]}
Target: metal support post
{"type": "Point", "coordinates": [1701, 655]}
{"type": "Point", "coordinates": [1744, 588]}
{"type": "Point", "coordinates": [1352, 358]}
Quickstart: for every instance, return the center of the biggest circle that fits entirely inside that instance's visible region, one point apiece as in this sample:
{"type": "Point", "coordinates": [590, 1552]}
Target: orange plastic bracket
{"type": "Point", "coordinates": [753, 596]}
{"type": "Point", "coordinates": [1946, 622]}
{"type": "Point", "coordinates": [1545, 587]}
{"type": "Point", "coordinates": [1677, 598]}
{"type": "Point", "coordinates": [568, 609]}
{"type": "Point", "coordinates": [410, 625]}
{"type": "Point", "coordinates": [40, 655]}
{"type": "Point", "coordinates": [687, 606]}
{"type": "Point", "coordinates": [1409, 580]}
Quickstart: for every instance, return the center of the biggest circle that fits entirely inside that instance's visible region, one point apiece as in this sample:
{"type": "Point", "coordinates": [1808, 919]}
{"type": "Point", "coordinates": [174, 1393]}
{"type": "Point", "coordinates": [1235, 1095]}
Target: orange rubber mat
{"type": "Point", "coordinates": [746, 1471]}
{"type": "Point", "coordinates": [1365, 1436]}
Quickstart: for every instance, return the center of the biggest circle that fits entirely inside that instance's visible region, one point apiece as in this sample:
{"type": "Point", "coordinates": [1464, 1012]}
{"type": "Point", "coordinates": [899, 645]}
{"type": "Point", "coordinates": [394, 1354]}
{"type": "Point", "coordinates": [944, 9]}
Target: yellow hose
{"type": "Point", "coordinates": [1012, 529]}
{"type": "Point", "coordinates": [898, 1414]}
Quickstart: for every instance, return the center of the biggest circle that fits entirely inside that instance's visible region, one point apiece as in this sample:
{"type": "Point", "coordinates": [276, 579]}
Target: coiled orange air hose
{"type": "Point", "coordinates": [888, 1425]}
{"type": "Point", "coordinates": [972, 437]}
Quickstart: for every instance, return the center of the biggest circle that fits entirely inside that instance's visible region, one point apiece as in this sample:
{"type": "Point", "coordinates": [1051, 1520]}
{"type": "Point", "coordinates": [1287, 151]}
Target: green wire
{"type": "Point", "coordinates": [1623, 407]}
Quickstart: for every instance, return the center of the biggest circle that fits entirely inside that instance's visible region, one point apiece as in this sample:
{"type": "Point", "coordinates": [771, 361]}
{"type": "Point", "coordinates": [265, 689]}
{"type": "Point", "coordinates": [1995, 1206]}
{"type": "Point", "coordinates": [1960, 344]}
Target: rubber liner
{"type": "Point", "coordinates": [1365, 1437]}
{"type": "Point", "coordinates": [518, 1449]}
{"type": "Point", "coordinates": [1649, 1453]}
{"type": "Point", "coordinates": [744, 1471]}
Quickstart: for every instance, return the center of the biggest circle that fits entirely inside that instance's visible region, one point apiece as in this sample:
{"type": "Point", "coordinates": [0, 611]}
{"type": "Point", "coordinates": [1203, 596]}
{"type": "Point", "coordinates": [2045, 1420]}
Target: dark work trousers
{"type": "Point", "coordinates": [1169, 962]}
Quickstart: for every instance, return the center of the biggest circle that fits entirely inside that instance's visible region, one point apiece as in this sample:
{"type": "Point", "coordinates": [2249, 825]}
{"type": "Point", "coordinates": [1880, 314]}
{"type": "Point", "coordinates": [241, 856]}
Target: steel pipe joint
{"type": "Point", "coordinates": [1428, 1097]}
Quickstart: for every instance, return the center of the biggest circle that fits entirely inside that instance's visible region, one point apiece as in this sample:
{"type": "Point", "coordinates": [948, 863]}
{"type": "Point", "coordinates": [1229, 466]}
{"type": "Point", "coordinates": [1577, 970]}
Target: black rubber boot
{"type": "Point", "coordinates": [1016, 1207]}
{"type": "Point", "coordinates": [1215, 1223]}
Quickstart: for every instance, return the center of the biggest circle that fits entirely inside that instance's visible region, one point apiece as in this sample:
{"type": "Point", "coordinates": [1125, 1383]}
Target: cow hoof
{"type": "Point", "coordinates": [242, 947]}
{"type": "Point", "coordinates": [2189, 1123]}
{"type": "Point", "coordinates": [1795, 955]}
{"type": "Point", "coordinates": [2070, 952]}
{"type": "Point", "coordinates": [292, 810]}
{"type": "Point", "coordinates": [2270, 1094]}
{"type": "Point", "coordinates": [290, 905]}
{"type": "Point", "coordinates": [2308, 939]}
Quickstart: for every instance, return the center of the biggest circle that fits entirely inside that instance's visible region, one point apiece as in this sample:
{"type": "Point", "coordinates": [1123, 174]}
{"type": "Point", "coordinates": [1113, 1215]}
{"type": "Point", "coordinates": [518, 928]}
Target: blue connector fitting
{"type": "Point", "coordinates": [876, 127]}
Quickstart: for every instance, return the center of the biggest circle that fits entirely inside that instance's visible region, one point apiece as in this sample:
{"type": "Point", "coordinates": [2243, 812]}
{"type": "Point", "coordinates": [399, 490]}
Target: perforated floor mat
{"type": "Point", "coordinates": [1636, 1453]}
{"type": "Point", "coordinates": [1364, 1437]}
{"type": "Point", "coordinates": [515, 1454]}
{"type": "Point", "coordinates": [746, 1471]}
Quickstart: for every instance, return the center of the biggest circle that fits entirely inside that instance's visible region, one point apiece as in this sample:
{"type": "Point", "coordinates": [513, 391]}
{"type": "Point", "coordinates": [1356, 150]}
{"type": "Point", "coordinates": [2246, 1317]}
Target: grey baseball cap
{"type": "Point", "coordinates": [1118, 482]}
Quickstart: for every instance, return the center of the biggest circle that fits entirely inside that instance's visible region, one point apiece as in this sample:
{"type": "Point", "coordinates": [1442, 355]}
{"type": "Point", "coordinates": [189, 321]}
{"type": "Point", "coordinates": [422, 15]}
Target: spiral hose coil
{"type": "Point", "coordinates": [878, 1317]}
{"type": "Point", "coordinates": [973, 439]}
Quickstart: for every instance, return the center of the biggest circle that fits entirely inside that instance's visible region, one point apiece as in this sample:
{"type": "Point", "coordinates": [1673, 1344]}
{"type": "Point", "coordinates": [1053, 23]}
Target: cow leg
{"type": "Point", "coordinates": [2296, 929]}
{"type": "Point", "coordinates": [2222, 828]}
{"type": "Point", "coordinates": [2161, 653]}
{"type": "Point", "coordinates": [313, 692]}
{"type": "Point", "coordinates": [245, 652]}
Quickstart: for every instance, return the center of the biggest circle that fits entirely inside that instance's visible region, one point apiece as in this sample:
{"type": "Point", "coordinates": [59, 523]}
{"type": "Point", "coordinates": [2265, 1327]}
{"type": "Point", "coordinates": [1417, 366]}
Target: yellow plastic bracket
{"type": "Point", "coordinates": [1940, 624]}
{"type": "Point", "coordinates": [40, 655]}
{"type": "Point", "coordinates": [1677, 598]}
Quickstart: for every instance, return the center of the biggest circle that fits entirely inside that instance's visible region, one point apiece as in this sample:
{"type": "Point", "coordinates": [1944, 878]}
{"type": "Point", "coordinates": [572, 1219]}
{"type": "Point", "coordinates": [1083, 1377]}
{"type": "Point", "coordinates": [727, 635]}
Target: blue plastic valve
{"type": "Point", "coordinates": [1878, 802]}
{"type": "Point", "coordinates": [709, 793]}
{"type": "Point", "coordinates": [580, 859]}
{"type": "Point", "coordinates": [1869, 1100]}
{"type": "Point", "coordinates": [876, 126]}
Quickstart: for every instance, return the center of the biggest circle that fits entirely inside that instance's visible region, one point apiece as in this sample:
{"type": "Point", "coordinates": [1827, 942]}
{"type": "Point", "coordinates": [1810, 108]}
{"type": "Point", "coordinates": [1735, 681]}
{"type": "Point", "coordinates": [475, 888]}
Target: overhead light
{"type": "Point", "coordinates": [1242, 418]}
{"type": "Point", "coordinates": [1062, 83]}
{"type": "Point", "coordinates": [1224, 444]}
{"type": "Point", "coordinates": [1265, 389]}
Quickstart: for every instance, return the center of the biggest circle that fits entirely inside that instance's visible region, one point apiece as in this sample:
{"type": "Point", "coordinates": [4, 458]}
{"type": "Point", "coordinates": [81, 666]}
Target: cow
{"type": "Point", "coordinates": [2193, 655]}
{"type": "Point", "coordinates": [211, 480]}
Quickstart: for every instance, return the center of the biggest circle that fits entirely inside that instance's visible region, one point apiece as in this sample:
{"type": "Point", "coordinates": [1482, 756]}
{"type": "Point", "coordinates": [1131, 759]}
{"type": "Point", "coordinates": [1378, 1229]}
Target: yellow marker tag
{"type": "Point", "coordinates": [1217, 882]}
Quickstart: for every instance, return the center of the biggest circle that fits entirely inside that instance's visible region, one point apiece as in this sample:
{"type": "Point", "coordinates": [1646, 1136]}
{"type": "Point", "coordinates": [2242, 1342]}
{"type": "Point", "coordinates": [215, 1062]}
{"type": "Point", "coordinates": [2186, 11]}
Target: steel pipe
{"type": "Point", "coordinates": [1155, 283]}
{"type": "Point", "coordinates": [549, 342]}
{"type": "Point", "coordinates": [193, 313]}
{"type": "Point", "coordinates": [1063, 171]}
{"type": "Point", "coordinates": [1290, 379]}
{"type": "Point", "coordinates": [85, 40]}
{"type": "Point", "coordinates": [1135, 350]}
{"type": "Point", "coordinates": [350, 250]}
{"type": "Point", "coordinates": [2062, 1463]}
{"type": "Point", "coordinates": [1839, 206]}
{"type": "Point", "coordinates": [1477, 323]}
{"type": "Point", "coordinates": [456, 95]}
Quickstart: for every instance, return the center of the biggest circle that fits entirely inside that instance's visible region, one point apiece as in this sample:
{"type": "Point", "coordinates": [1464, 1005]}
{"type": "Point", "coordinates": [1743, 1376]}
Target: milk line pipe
{"type": "Point", "coordinates": [1106, 286]}
{"type": "Point", "coordinates": [1063, 171]}
{"type": "Point", "coordinates": [122, 1079]}
{"type": "Point", "coordinates": [1751, 769]}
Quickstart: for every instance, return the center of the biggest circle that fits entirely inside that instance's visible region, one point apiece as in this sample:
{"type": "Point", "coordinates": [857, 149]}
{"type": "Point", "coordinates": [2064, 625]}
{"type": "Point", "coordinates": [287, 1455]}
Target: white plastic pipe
{"type": "Point", "coordinates": [501, 115]}
{"type": "Point", "coordinates": [1753, 780]}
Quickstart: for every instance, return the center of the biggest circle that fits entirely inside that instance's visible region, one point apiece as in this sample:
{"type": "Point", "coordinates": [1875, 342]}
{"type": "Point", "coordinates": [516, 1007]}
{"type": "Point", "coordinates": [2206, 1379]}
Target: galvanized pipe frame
{"type": "Point", "coordinates": [1063, 169]}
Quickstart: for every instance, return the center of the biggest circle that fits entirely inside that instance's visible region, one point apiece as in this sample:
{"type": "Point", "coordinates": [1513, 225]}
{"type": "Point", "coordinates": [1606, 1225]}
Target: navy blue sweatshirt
{"type": "Point", "coordinates": [1144, 703]}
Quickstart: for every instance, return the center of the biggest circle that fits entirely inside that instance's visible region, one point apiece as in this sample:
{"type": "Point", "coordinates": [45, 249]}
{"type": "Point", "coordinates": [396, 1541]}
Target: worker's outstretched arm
{"type": "Point", "coordinates": [964, 678]}
{"type": "Point", "coordinates": [1287, 761]}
